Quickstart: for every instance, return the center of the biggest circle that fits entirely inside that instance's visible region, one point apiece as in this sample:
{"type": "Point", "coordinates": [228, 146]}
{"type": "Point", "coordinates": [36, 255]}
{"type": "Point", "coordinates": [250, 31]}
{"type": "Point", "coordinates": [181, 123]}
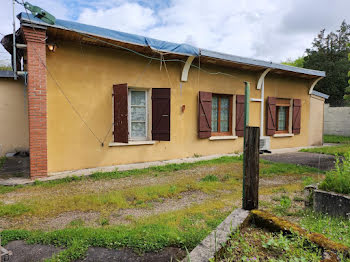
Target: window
{"type": "Point", "coordinates": [132, 112]}
{"type": "Point", "coordinates": [221, 115]}
{"type": "Point", "coordinates": [137, 114]}
{"type": "Point", "coordinates": [282, 115]}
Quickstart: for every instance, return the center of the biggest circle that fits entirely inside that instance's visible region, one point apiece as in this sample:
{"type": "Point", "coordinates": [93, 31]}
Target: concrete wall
{"type": "Point", "coordinates": [316, 121]}
{"type": "Point", "coordinates": [13, 116]}
{"type": "Point", "coordinates": [336, 120]}
{"type": "Point", "coordinates": [86, 74]}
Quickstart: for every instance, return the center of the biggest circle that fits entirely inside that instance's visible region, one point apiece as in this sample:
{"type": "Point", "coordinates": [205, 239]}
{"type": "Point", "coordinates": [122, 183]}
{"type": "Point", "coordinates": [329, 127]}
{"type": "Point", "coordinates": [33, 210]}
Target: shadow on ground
{"type": "Point", "coordinates": [16, 166]}
{"type": "Point", "coordinates": [23, 252]}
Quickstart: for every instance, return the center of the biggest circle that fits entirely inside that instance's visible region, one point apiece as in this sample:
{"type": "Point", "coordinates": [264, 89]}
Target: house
{"type": "Point", "coordinates": [98, 97]}
{"type": "Point", "coordinates": [13, 114]}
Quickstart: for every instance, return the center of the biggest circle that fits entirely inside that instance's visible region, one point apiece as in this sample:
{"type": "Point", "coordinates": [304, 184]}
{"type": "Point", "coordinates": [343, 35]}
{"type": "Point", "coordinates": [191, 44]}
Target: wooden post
{"type": "Point", "coordinates": [251, 168]}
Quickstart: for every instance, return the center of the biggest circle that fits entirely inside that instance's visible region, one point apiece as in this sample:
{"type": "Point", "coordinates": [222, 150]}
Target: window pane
{"type": "Point", "coordinates": [138, 129]}
{"type": "Point", "coordinates": [214, 114]}
{"type": "Point", "coordinates": [282, 114]}
{"type": "Point", "coordinates": [138, 98]}
{"type": "Point", "coordinates": [224, 114]}
{"type": "Point", "coordinates": [138, 113]}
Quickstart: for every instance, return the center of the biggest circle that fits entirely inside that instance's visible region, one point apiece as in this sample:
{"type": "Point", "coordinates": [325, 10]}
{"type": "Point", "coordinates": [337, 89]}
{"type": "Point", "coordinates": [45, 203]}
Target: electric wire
{"type": "Point", "coordinates": [140, 54]}
{"type": "Point", "coordinates": [161, 59]}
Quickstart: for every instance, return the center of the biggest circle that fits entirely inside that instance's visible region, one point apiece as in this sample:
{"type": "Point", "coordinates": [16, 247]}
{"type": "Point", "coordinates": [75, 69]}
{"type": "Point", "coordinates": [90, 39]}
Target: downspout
{"type": "Point", "coordinates": [14, 62]}
{"type": "Point", "coordinates": [261, 84]}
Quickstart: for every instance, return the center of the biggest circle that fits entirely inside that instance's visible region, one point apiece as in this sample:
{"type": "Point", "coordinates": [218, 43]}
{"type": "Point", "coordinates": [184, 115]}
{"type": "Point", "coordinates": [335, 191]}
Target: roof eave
{"type": "Point", "coordinates": [261, 63]}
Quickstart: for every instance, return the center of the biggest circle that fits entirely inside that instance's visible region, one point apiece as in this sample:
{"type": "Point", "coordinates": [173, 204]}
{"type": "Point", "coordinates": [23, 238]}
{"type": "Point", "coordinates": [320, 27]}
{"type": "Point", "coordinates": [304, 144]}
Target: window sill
{"type": "Point", "coordinates": [133, 143]}
{"type": "Point", "coordinates": [283, 135]}
{"type": "Point", "coordinates": [213, 138]}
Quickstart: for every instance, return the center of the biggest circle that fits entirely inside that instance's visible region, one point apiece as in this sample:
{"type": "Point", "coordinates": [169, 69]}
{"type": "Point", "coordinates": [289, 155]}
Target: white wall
{"type": "Point", "coordinates": [336, 120]}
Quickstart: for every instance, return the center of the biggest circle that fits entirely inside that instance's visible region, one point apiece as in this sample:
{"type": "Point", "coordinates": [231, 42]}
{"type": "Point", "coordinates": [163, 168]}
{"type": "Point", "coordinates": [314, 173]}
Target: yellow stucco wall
{"type": "Point", "coordinates": [13, 116]}
{"type": "Point", "coordinates": [316, 121]}
{"type": "Point", "coordinates": [87, 75]}
{"type": "Point", "coordinates": [287, 87]}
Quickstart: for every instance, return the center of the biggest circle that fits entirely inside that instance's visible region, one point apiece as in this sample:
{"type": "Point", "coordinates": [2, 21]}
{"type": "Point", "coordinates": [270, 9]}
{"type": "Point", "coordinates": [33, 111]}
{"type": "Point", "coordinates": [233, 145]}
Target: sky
{"type": "Point", "coordinates": [272, 30]}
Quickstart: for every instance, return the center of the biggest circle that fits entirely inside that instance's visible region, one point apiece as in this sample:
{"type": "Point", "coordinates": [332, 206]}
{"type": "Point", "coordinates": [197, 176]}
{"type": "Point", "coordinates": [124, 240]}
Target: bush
{"type": "Point", "coordinates": [338, 180]}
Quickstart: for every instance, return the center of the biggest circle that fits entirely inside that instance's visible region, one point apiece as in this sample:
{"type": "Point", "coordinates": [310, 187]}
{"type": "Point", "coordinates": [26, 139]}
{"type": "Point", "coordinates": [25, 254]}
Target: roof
{"type": "Point", "coordinates": [174, 48]}
{"type": "Point", "coordinates": [6, 74]}
{"type": "Point", "coordinates": [316, 93]}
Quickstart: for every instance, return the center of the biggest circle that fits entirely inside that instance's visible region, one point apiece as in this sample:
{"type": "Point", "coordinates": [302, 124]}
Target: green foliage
{"type": "Point", "coordinates": [258, 245]}
{"type": "Point", "coordinates": [307, 180]}
{"type": "Point", "coordinates": [75, 251]}
{"type": "Point", "coordinates": [284, 205]}
{"type": "Point", "coordinates": [299, 62]}
{"type": "Point", "coordinates": [337, 229]}
{"type": "Point", "coordinates": [283, 168]}
{"type": "Point", "coordinates": [12, 210]}
{"type": "Point", "coordinates": [336, 139]}
{"type": "Point", "coordinates": [347, 89]}
{"type": "Point", "coordinates": [2, 161]}
{"type": "Point", "coordinates": [338, 180]}
{"type": "Point", "coordinates": [210, 178]}
{"type": "Point", "coordinates": [330, 53]}
{"type": "Point", "coordinates": [329, 150]}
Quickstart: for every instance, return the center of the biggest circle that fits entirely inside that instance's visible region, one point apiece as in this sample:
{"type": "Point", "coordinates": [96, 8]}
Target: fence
{"type": "Point", "coordinates": [336, 120]}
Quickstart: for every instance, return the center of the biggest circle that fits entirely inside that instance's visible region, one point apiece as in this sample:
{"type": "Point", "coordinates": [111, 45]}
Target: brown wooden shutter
{"type": "Point", "coordinates": [296, 116]}
{"type": "Point", "coordinates": [240, 115]}
{"type": "Point", "coordinates": [204, 114]}
{"type": "Point", "coordinates": [271, 116]}
{"type": "Point", "coordinates": [161, 114]}
{"type": "Point", "coordinates": [121, 132]}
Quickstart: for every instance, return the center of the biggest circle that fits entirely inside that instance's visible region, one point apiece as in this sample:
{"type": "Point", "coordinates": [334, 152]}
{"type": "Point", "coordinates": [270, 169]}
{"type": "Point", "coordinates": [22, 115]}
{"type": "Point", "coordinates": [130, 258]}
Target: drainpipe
{"type": "Point", "coordinates": [14, 60]}
{"type": "Point", "coordinates": [261, 84]}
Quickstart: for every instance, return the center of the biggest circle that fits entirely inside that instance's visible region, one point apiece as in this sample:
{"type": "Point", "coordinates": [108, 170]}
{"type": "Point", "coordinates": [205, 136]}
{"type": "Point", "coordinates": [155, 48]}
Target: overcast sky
{"type": "Point", "coordinates": [273, 30]}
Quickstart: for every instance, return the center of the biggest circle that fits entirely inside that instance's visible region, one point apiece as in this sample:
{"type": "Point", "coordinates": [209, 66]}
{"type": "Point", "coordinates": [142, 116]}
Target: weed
{"type": "Point", "coordinates": [272, 168]}
{"type": "Point", "coordinates": [226, 177]}
{"type": "Point", "coordinates": [307, 180]}
{"type": "Point", "coordinates": [76, 250]}
{"type": "Point", "coordinates": [12, 210]}
{"type": "Point", "coordinates": [336, 139]}
{"type": "Point", "coordinates": [210, 178]}
{"type": "Point", "coordinates": [76, 223]}
{"type": "Point", "coordinates": [329, 150]}
{"type": "Point", "coordinates": [104, 221]}
{"type": "Point", "coordinates": [284, 205]}
{"type": "Point", "coordinates": [253, 244]}
{"type": "Point", "coordinates": [2, 161]}
{"type": "Point", "coordinates": [298, 199]}
{"type": "Point", "coordinates": [196, 155]}
{"type": "Point", "coordinates": [338, 180]}
{"type": "Point", "coordinates": [337, 229]}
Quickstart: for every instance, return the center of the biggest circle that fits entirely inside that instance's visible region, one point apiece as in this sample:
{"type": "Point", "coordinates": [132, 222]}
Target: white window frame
{"type": "Point", "coordinates": [129, 114]}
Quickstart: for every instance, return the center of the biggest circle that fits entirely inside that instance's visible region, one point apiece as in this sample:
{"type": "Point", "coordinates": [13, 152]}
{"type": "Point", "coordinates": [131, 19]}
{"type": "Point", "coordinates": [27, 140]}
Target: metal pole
{"type": "Point", "coordinates": [246, 122]}
{"type": "Point", "coordinates": [14, 62]}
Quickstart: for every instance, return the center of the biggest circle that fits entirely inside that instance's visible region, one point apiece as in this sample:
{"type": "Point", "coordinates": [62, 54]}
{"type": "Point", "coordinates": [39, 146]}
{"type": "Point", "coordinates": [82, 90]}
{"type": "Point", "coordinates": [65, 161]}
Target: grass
{"type": "Point", "coordinates": [329, 150]}
{"type": "Point", "coordinates": [336, 139]}
{"type": "Point", "coordinates": [255, 244]}
{"type": "Point", "coordinates": [332, 150]}
{"type": "Point", "coordinates": [338, 180]}
{"type": "Point", "coordinates": [219, 179]}
{"type": "Point", "coordinates": [337, 229]}
{"type": "Point", "coordinates": [2, 161]}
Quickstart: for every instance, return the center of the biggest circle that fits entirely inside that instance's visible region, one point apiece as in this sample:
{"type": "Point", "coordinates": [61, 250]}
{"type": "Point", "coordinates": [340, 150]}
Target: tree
{"type": "Point", "coordinates": [330, 53]}
{"type": "Point", "coordinates": [299, 62]}
{"type": "Point", "coordinates": [347, 90]}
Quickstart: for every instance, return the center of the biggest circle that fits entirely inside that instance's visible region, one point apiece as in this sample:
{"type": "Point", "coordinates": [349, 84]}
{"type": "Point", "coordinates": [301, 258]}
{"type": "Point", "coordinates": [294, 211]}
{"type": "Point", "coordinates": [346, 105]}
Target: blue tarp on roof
{"type": "Point", "coordinates": [159, 45]}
